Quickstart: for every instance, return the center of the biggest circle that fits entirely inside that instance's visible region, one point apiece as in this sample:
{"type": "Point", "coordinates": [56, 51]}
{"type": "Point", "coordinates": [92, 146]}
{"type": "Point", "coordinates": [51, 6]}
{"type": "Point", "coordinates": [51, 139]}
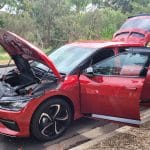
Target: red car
{"type": "Point", "coordinates": [43, 94]}
{"type": "Point", "coordinates": [135, 28]}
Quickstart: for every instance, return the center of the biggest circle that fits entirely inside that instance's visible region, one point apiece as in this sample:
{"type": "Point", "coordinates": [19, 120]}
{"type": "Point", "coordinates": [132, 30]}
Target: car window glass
{"type": "Point", "coordinates": [67, 57]}
{"type": "Point", "coordinates": [141, 23]}
{"type": "Point", "coordinates": [125, 64]}
{"type": "Point", "coordinates": [102, 54]}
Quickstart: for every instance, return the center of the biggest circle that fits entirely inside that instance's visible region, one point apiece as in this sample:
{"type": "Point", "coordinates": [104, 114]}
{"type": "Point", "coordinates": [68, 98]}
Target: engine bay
{"type": "Point", "coordinates": [25, 79]}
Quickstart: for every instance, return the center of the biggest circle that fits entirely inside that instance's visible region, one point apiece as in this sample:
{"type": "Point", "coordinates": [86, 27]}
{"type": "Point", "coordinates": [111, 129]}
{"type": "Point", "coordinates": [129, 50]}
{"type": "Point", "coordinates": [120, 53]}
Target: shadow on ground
{"type": "Point", "coordinates": [80, 126]}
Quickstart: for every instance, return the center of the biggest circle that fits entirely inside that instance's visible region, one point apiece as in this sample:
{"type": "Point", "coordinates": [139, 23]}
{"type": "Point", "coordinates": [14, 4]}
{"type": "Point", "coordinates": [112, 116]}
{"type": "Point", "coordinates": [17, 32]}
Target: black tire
{"type": "Point", "coordinates": [51, 119]}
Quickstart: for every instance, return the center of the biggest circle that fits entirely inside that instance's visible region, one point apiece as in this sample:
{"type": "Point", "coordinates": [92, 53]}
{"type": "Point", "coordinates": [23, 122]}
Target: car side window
{"type": "Point", "coordinates": [124, 64]}
{"type": "Point", "coordinates": [102, 54]}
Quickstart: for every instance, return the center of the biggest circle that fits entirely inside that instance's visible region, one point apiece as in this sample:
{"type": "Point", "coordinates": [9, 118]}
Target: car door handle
{"type": "Point", "coordinates": [131, 88]}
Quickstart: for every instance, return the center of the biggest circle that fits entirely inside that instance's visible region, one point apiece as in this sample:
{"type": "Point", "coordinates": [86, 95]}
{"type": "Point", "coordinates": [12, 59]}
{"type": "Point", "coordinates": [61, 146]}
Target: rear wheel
{"type": "Point", "coordinates": [51, 119]}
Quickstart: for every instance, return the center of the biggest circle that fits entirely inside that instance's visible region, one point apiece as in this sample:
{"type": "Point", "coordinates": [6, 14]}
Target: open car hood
{"type": "Point", "coordinates": [15, 45]}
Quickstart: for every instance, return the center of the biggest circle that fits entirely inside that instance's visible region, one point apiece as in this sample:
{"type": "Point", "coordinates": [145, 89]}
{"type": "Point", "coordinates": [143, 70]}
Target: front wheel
{"type": "Point", "coordinates": [51, 119]}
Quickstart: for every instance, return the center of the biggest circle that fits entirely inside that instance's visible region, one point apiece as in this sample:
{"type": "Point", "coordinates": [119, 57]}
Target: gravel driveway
{"type": "Point", "coordinates": [130, 139]}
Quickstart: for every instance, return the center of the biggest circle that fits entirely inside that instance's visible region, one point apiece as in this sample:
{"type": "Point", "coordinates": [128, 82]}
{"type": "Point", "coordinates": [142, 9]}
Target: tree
{"type": "Point", "coordinates": [49, 23]}
{"type": "Point", "coordinates": [46, 12]}
{"type": "Point", "coordinates": [123, 5]}
{"type": "Point", "coordinates": [140, 6]}
{"type": "Point", "coordinates": [17, 18]}
{"type": "Point", "coordinates": [80, 5]}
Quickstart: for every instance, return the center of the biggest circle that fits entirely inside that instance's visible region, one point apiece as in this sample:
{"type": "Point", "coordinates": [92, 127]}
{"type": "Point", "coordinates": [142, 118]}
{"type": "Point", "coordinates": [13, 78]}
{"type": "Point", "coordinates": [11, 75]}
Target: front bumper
{"type": "Point", "coordinates": [14, 123]}
{"type": "Point", "coordinates": [21, 118]}
{"type": "Point", "coordinates": [18, 121]}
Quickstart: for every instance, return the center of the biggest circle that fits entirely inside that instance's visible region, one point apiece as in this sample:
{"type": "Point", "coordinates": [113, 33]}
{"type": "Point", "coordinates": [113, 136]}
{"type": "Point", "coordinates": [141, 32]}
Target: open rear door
{"type": "Point", "coordinates": [114, 92]}
{"type": "Point", "coordinates": [135, 29]}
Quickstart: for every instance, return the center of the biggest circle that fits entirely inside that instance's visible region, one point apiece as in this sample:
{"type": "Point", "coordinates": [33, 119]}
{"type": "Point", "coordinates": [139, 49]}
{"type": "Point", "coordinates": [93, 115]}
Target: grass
{"type": "Point", "coordinates": [4, 57]}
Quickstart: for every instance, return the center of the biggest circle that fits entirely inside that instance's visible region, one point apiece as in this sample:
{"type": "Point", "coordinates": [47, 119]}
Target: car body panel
{"type": "Point", "coordinates": [111, 96]}
{"type": "Point", "coordinates": [145, 96]}
{"type": "Point", "coordinates": [117, 96]}
{"type": "Point", "coordinates": [105, 44]}
{"type": "Point", "coordinates": [136, 34]}
{"type": "Point", "coordinates": [130, 35]}
{"type": "Point", "coordinates": [68, 89]}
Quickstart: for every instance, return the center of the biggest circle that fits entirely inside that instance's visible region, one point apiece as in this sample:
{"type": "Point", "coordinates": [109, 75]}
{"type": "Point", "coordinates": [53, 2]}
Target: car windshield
{"type": "Point", "coordinates": [137, 23]}
{"type": "Point", "coordinates": [67, 58]}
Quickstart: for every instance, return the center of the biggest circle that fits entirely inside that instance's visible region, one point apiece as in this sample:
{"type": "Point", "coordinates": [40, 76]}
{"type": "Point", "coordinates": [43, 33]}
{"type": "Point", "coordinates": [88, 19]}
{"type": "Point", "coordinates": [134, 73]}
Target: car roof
{"type": "Point", "coordinates": [144, 16]}
{"type": "Point", "coordinates": [103, 44]}
{"type": "Point", "coordinates": [140, 15]}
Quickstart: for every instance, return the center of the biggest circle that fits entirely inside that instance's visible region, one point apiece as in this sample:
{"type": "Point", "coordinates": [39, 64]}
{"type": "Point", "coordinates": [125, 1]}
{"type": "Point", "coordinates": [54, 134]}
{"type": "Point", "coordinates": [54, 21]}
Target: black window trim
{"type": "Point", "coordinates": [89, 59]}
{"type": "Point", "coordinates": [147, 63]}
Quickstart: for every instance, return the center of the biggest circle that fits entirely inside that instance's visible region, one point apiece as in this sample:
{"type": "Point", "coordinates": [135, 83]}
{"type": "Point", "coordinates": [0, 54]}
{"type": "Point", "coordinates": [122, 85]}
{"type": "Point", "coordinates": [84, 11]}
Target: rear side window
{"type": "Point", "coordinates": [124, 64]}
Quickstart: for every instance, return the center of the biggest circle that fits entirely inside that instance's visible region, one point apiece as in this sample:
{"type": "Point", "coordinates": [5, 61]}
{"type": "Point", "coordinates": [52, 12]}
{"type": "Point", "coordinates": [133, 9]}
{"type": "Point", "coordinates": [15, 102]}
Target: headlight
{"type": "Point", "coordinates": [11, 104]}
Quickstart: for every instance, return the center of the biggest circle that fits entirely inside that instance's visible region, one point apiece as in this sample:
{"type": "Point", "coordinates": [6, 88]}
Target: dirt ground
{"type": "Point", "coordinates": [132, 139]}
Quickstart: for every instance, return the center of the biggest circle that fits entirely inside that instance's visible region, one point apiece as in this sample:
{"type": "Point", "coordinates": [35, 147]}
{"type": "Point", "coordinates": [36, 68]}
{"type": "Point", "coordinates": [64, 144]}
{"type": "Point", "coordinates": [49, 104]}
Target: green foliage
{"type": "Point", "coordinates": [99, 24]}
{"type": "Point", "coordinates": [122, 5]}
{"type": "Point", "coordinates": [51, 23]}
{"type": "Point", "coordinates": [140, 7]}
{"type": "Point", "coordinates": [16, 6]}
{"type": "Point", "coordinates": [4, 57]}
{"type": "Point", "coordinates": [111, 21]}
{"type": "Point", "coordinates": [22, 25]}
{"type": "Point", "coordinates": [1, 50]}
{"type": "Point", "coordinates": [46, 12]}
{"type": "Point", "coordinates": [80, 5]}
{"type": "Point", "coordinates": [7, 2]}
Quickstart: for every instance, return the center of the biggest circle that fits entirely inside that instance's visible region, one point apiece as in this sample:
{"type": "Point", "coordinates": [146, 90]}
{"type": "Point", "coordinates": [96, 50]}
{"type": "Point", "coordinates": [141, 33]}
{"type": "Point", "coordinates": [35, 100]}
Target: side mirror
{"type": "Point", "coordinates": [89, 72]}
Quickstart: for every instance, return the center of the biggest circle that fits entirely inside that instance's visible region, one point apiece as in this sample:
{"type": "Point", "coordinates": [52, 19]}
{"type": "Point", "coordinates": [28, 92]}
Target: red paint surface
{"type": "Point", "coordinates": [113, 96]}
{"type": "Point", "coordinates": [145, 94]}
{"type": "Point", "coordinates": [129, 38]}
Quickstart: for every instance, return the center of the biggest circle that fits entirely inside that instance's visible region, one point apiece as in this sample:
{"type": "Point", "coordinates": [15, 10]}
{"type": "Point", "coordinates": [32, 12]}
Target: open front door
{"type": "Point", "coordinates": [113, 92]}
